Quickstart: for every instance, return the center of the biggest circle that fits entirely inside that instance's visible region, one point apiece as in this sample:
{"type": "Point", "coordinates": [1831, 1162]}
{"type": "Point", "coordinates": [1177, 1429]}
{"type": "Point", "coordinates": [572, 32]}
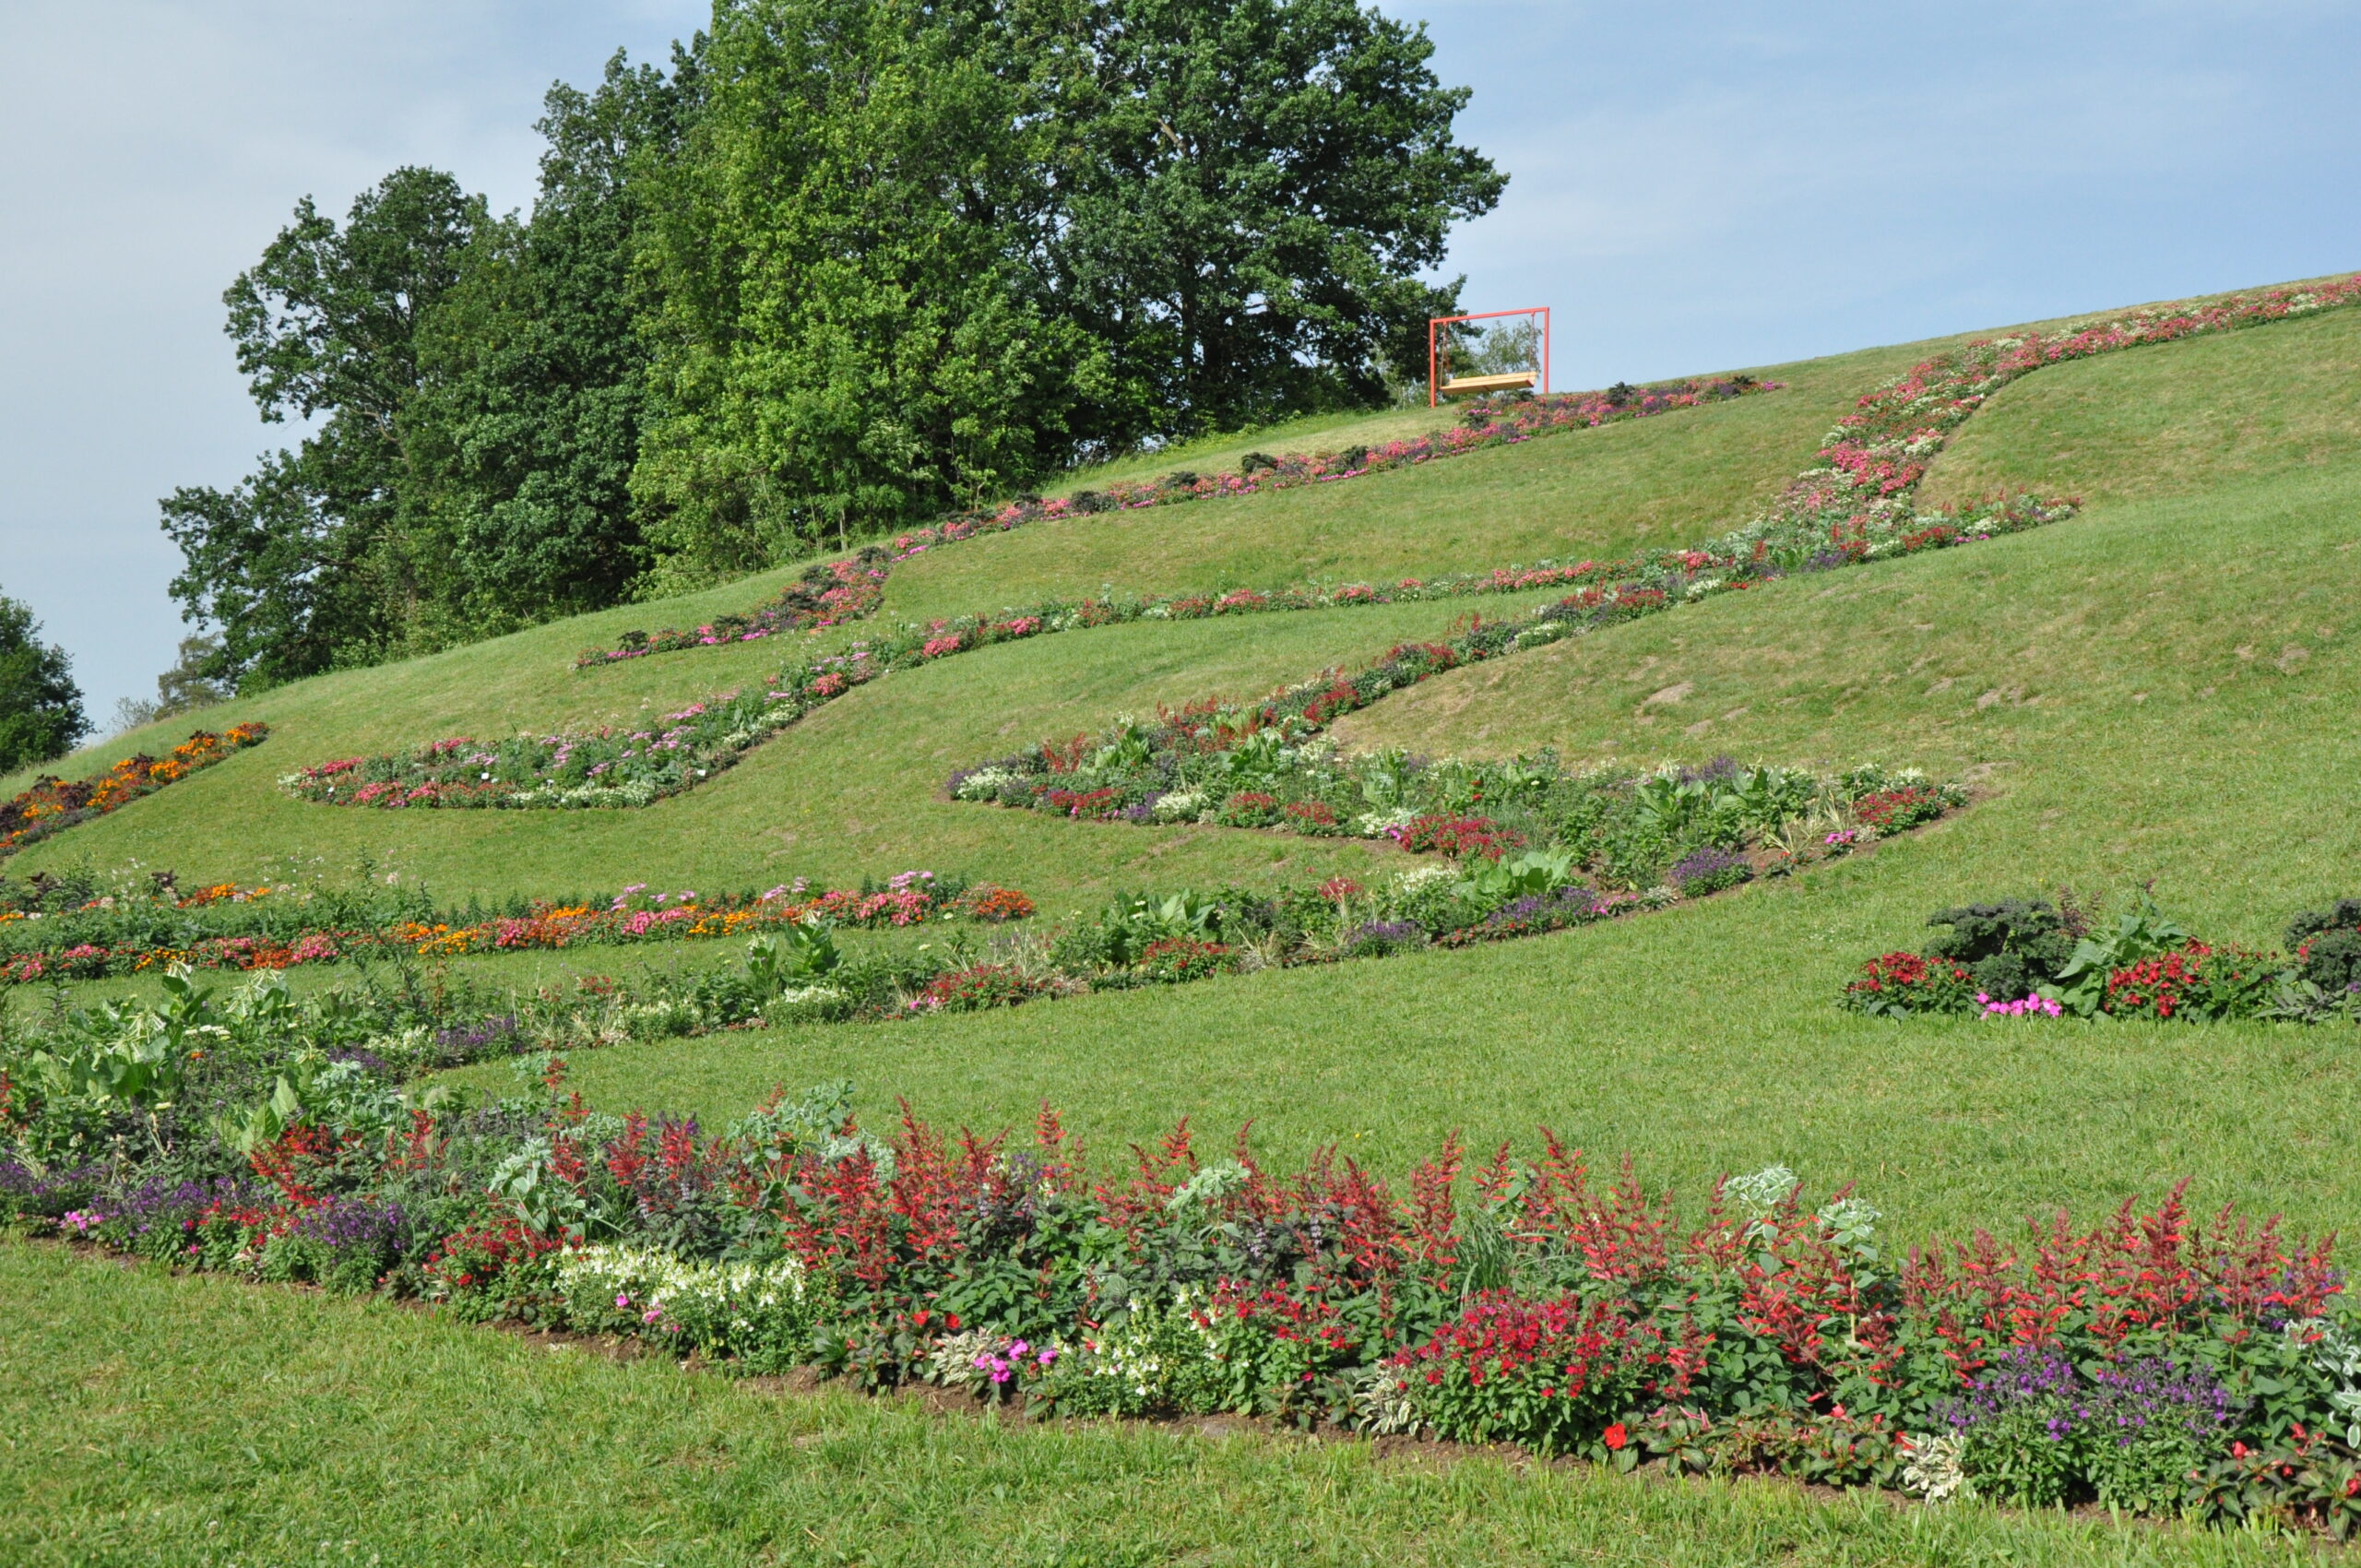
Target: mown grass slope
{"type": "Point", "coordinates": [2164, 689]}
{"type": "Point", "coordinates": [2159, 690]}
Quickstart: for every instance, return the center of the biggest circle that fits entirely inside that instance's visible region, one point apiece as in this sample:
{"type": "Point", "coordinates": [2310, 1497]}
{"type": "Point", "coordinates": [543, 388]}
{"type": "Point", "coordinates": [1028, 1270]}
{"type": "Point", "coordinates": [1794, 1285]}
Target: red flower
{"type": "Point", "coordinates": [1616, 1437]}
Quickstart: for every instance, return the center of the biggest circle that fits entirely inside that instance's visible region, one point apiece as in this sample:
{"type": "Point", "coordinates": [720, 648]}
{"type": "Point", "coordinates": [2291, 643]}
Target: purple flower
{"type": "Point", "coordinates": [2128, 1401]}
{"type": "Point", "coordinates": [355, 1223]}
{"type": "Point", "coordinates": [52, 1193]}
{"type": "Point", "coordinates": [1708, 870]}
{"type": "Point", "coordinates": [467, 1044]}
{"type": "Point", "coordinates": [1386, 934]}
{"type": "Point", "coordinates": [1533, 906]}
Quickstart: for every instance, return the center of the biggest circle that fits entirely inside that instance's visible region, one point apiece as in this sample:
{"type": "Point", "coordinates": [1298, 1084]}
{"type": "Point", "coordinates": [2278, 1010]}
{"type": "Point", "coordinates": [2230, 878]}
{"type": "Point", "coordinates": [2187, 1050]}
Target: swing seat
{"type": "Point", "coordinates": [1482, 383]}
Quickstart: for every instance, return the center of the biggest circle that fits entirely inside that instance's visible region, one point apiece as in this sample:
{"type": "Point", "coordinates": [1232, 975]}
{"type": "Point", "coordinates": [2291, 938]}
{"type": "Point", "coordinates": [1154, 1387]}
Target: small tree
{"type": "Point", "coordinates": [40, 708]}
{"type": "Point", "coordinates": [186, 687]}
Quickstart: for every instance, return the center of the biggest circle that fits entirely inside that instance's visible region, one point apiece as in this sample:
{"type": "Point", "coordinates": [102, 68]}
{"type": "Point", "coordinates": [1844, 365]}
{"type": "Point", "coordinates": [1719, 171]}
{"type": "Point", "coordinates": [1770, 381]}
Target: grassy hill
{"type": "Point", "coordinates": [2162, 690]}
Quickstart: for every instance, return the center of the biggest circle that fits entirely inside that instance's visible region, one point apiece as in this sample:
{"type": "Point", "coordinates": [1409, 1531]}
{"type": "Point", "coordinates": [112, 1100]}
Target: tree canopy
{"type": "Point", "coordinates": [843, 264]}
{"type": "Point", "coordinates": [40, 708]}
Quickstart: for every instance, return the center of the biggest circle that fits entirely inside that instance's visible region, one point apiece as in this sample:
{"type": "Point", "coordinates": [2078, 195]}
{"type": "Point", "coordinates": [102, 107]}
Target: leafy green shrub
{"type": "Point", "coordinates": [2010, 948]}
{"type": "Point", "coordinates": [2326, 944]}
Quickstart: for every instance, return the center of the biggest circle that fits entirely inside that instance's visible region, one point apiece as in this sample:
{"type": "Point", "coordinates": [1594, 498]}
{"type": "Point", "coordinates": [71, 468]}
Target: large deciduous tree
{"type": "Point", "coordinates": [309, 564]}
{"type": "Point", "coordinates": [855, 330]}
{"type": "Point", "coordinates": [527, 423]}
{"type": "Point", "coordinates": [845, 263]}
{"type": "Point", "coordinates": [40, 708]}
{"type": "Point", "coordinates": [917, 252]}
{"type": "Point", "coordinates": [1259, 187]}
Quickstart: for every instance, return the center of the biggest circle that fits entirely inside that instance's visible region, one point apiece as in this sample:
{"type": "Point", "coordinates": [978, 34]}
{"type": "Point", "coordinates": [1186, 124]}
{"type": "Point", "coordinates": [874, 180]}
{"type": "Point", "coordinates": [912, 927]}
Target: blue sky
{"type": "Point", "coordinates": [1694, 187]}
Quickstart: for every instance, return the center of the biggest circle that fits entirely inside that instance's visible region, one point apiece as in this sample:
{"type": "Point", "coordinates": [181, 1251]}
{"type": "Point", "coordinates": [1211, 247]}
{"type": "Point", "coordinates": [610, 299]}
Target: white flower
{"type": "Point", "coordinates": [1181, 805]}
{"type": "Point", "coordinates": [984, 783]}
{"type": "Point", "coordinates": [1934, 1470]}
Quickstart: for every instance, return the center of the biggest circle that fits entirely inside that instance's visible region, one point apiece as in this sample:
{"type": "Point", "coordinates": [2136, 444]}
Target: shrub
{"type": "Point", "coordinates": [2010, 948]}
{"type": "Point", "coordinates": [2326, 944]}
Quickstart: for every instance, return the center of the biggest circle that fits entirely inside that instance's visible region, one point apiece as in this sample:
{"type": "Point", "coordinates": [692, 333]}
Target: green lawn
{"type": "Point", "coordinates": [2163, 688]}
{"type": "Point", "coordinates": [853, 790]}
{"type": "Point", "coordinates": [1670, 479]}
{"type": "Point", "coordinates": [159, 1421]}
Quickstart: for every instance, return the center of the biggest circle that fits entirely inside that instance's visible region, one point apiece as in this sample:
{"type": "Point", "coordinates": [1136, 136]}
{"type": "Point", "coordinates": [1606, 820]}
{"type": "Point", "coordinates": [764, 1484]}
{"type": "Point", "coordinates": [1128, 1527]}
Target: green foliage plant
{"type": "Point", "coordinates": [40, 708]}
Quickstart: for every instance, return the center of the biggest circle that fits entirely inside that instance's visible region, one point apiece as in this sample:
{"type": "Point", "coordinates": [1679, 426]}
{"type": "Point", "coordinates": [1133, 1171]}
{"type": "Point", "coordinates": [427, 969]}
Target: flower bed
{"type": "Point", "coordinates": [1875, 458]}
{"type": "Point", "coordinates": [826, 595]}
{"type": "Point", "coordinates": [2148, 1361]}
{"type": "Point", "coordinates": [851, 589]}
{"type": "Point", "coordinates": [44, 937]}
{"type": "Point", "coordinates": [1696, 830]}
{"type": "Point", "coordinates": [2033, 958]}
{"type": "Point", "coordinates": [612, 767]}
{"type": "Point", "coordinates": [53, 805]}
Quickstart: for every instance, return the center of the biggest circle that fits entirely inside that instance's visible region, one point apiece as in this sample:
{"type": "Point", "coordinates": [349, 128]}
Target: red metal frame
{"type": "Point", "coordinates": [1434, 393]}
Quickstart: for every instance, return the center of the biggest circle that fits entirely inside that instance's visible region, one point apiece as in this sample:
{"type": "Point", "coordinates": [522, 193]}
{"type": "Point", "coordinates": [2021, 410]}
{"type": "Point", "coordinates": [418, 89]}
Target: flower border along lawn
{"type": "Point", "coordinates": [52, 805]}
{"type": "Point", "coordinates": [835, 592]}
{"type": "Point", "coordinates": [2153, 1361]}
{"type": "Point", "coordinates": [2030, 958]}
{"type": "Point", "coordinates": [271, 1421]}
{"type": "Point", "coordinates": [91, 936]}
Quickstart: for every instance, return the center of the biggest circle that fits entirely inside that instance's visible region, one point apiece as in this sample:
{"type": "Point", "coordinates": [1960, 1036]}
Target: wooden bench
{"type": "Point", "coordinates": [1478, 385]}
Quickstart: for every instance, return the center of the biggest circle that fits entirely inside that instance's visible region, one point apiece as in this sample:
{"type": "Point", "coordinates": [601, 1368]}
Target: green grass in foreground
{"type": "Point", "coordinates": [163, 1421]}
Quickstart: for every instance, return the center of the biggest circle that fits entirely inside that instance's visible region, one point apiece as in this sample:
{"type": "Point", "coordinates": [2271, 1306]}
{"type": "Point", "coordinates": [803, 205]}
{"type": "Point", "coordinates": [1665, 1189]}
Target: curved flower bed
{"type": "Point", "coordinates": [826, 595]}
{"type": "Point", "coordinates": [853, 588]}
{"type": "Point", "coordinates": [2149, 1360]}
{"type": "Point", "coordinates": [1877, 454]}
{"type": "Point", "coordinates": [1855, 505]}
{"type": "Point", "coordinates": [227, 927]}
{"type": "Point", "coordinates": [2033, 958]}
{"type": "Point", "coordinates": [1694, 829]}
{"type": "Point", "coordinates": [617, 768]}
{"type": "Point", "coordinates": [53, 805]}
